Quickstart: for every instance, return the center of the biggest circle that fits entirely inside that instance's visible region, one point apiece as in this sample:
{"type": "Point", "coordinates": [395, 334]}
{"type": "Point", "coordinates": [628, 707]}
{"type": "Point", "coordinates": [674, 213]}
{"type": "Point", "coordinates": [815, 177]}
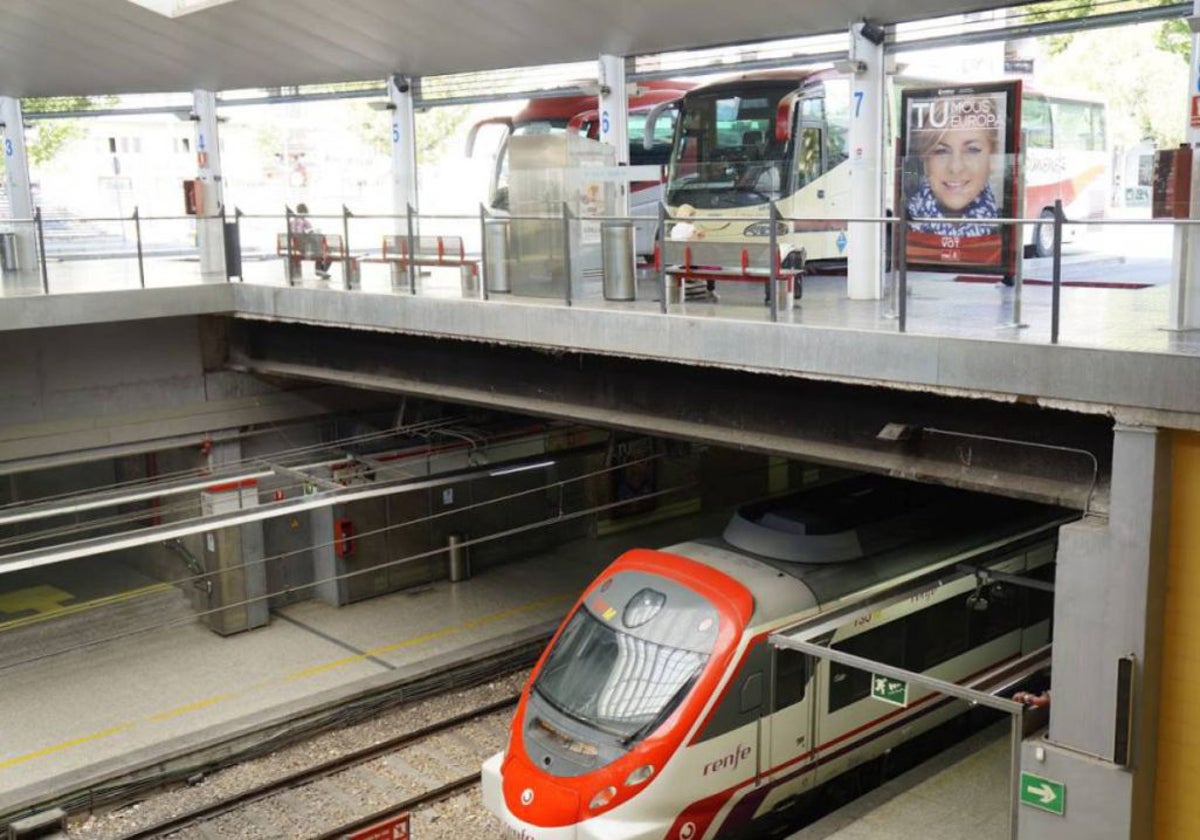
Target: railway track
{"type": "Point", "coordinates": [343, 794]}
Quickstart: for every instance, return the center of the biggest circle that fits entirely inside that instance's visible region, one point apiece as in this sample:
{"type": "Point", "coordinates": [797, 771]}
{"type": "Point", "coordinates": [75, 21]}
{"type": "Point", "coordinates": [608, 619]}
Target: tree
{"type": "Point", "coordinates": [53, 135]}
{"type": "Point", "coordinates": [1173, 35]}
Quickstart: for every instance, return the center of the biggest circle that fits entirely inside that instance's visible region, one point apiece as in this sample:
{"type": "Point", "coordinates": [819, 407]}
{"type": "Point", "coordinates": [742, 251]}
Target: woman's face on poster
{"type": "Point", "coordinates": [958, 166]}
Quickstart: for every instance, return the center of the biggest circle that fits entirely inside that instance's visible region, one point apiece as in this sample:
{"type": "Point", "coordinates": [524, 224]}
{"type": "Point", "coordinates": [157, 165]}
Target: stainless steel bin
{"type": "Point", "coordinates": [496, 232]}
{"type": "Point", "coordinates": [618, 259]}
{"type": "Point", "coordinates": [8, 252]}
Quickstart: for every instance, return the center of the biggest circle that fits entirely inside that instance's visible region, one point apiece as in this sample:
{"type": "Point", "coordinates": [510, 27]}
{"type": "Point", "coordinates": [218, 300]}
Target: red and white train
{"type": "Point", "coordinates": [660, 710]}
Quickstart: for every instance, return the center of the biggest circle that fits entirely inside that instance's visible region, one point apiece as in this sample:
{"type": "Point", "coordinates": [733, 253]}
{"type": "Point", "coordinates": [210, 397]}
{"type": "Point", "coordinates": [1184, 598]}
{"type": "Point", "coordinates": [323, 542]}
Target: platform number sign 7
{"type": "Point", "coordinates": [858, 100]}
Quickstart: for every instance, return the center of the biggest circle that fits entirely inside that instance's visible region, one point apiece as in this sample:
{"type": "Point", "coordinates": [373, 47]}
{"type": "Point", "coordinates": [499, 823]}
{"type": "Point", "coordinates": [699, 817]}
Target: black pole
{"type": "Point", "coordinates": [772, 257]}
{"type": "Point", "coordinates": [291, 245]}
{"type": "Point", "coordinates": [137, 234]}
{"type": "Point", "coordinates": [1056, 291]}
{"type": "Point", "coordinates": [902, 268]}
{"type": "Point", "coordinates": [41, 243]}
{"type": "Point", "coordinates": [346, 273]}
{"type": "Point", "coordinates": [412, 250]}
{"type": "Point", "coordinates": [662, 256]}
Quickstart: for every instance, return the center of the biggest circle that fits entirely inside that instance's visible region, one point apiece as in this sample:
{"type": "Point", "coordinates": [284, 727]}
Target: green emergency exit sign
{"type": "Point", "coordinates": [889, 690]}
{"type": "Point", "coordinates": [1046, 794]}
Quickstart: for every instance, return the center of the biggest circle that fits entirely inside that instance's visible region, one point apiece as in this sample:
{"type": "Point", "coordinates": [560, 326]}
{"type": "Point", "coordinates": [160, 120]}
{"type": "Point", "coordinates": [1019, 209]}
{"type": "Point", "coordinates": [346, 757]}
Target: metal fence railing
{"type": "Point", "coordinates": [482, 256]}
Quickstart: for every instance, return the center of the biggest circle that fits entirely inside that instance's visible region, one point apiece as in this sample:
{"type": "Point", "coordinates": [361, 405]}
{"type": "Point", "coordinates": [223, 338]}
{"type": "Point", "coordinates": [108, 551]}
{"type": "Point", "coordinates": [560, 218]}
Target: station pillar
{"type": "Point", "coordinates": [210, 234]}
{"type": "Point", "coordinates": [865, 240]}
{"type": "Point", "coordinates": [613, 108]}
{"type": "Point", "coordinates": [1185, 255]}
{"type": "Point", "coordinates": [401, 95]}
{"type": "Point", "coordinates": [1110, 595]}
{"type": "Point", "coordinates": [17, 181]}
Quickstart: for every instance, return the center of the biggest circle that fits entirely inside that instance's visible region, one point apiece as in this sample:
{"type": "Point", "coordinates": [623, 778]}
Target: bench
{"type": "Point", "coordinates": [695, 260]}
{"type": "Point", "coordinates": [324, 248]}
{"type": "Point", "coordinates": [428, 252]}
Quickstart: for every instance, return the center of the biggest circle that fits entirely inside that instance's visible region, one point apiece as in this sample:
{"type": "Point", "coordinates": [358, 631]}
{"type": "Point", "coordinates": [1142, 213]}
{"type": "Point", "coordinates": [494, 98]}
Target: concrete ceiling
{"type": "Point", "coordinates": [76, 47]}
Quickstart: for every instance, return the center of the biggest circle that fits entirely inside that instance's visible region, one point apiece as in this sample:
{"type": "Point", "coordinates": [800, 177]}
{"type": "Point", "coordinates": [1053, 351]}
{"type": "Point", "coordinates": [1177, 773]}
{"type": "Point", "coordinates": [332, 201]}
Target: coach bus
{"type": "Point", "coordinates": [781, 137]}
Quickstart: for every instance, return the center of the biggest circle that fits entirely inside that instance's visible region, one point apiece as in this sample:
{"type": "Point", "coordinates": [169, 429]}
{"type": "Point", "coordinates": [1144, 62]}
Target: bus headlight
{"type": "Point", "coordinates": [764, 229]}
{"type": "Point", "coordinates": [602, 798]}
{"type": "Point", "coordinates": [639, 775]}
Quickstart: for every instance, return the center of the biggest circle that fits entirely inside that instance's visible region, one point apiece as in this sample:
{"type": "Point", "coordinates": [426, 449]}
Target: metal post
{"type": "Point", "coordinates": [566, 221]}
{"type": "Point", "coordinates": [891, 235]}
{"type": "Point", "coordinates": [412, 250]}
{"type": "Point", "coordinates": [137, 235]}
{"type": "Point", "coordinates": [902, 267]}
{"type": "Point", "coordinates": [459, 561]}
{"type": "Point", "coordinates": [1017, 733]}
{"type": "Point", "coordinates": [41, 244]}
{"type": "Point", "coordinates": [346, 273]}
{"type": "Point", "coordinates": [291, 245]}
{"type": "Point", "coordinates": [237, 226]}
{"type": "Point", "coordinates": [661, 267]}
{"type": "Point", "coordinates": [1019, 233]}
{"type": "Point", "coordinates": [1056, 291]}
{"type": "Point", "coordinates": [772, 257]}
{"type": "Point", "coordinates": [484, 276]}
{"type": "Point", "coordinates": [225, 246]}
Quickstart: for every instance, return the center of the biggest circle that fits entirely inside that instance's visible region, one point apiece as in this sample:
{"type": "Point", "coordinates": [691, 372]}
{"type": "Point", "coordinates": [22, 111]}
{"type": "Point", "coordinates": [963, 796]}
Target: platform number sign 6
{"type": "Point", "coordinates": [604, 123]}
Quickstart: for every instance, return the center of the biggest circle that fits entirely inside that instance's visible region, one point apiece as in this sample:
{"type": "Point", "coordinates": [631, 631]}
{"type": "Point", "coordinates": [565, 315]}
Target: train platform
{"type": "Point", "coordinates": [77, 718]}
{"type": "Point", "coordinates": [963, 792]}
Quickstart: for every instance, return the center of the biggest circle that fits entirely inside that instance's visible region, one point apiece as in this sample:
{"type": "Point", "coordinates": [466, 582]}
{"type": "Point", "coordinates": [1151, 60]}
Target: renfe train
{"type": "Point", "coordinates": [660, 710]}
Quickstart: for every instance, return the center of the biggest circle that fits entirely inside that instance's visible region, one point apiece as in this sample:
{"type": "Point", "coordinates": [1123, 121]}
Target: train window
{"type": "Point", "coordinates": [936, 634]}
{"type": "Point", "coordinates": [742, 703]}
{"type": "Point", "coordinates": [791, 677]}
{"type": "Point", "coordinates": [883, 644]}
{"type": "Point", "coordinates": [1039, 605]}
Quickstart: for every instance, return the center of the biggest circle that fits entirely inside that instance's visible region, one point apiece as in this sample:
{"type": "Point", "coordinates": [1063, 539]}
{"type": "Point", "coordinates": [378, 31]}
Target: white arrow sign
{"type": "Point", "coordinates": [1043, 792]}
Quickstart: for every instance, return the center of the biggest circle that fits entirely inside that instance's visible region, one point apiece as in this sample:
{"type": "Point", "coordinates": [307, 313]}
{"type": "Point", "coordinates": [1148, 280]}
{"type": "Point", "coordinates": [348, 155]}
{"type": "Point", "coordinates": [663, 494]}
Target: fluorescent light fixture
{"type": "Point", "coordinates": [520, 468]}
{"type": "Point", "coordinates": [178, 8]}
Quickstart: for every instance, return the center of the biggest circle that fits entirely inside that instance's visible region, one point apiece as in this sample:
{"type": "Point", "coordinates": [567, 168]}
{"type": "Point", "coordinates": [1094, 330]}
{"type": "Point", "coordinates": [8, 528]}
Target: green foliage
{"type": "Point", "coordinates": [436, 127]}
{"type": "Point", "coordinates": [50, 137]}
{"type": "Point", "coordinates": [1175, 37]}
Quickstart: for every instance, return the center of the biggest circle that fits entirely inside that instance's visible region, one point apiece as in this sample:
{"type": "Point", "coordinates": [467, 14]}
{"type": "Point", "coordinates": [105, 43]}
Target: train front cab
{"type": "Point", "coordinates": [598, 732]}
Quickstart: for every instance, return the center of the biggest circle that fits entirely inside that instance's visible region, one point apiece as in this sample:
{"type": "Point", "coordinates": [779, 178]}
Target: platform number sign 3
{"type": "Point", "coordinates": [8, 147]}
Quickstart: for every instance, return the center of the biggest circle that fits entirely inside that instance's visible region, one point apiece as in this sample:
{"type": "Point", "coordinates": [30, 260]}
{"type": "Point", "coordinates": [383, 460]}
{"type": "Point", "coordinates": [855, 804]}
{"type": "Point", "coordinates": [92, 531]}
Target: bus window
{"type": "Point", "coordinates": [1035, 123]}
{"type": "Point", "coordinates": [1078, 125]}
{"type": "Point", "coordinates": [808, 156]}
{"type": "Point", "coordinates": [837, 122]}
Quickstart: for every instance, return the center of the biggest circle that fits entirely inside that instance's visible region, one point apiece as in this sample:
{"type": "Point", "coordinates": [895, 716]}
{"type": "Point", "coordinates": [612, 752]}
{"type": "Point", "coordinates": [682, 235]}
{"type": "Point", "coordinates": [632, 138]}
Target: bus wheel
{"type": "Point", "coordinates": [1043, 235]}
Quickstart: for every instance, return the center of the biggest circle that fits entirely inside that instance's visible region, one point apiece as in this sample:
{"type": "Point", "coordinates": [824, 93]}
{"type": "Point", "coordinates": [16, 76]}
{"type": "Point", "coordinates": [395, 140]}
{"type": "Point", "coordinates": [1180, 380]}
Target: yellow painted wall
{"type": "Point", "coordinates": [1177, 794]}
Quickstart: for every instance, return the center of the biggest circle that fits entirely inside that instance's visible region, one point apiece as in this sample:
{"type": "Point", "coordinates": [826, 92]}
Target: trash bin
{"type": "Point", "coordinates": [620, 273]}
{"type": "Point", "coordinates": [496, 268]}
{"type": "Point", "coordinates": [353, 273]}
{"type": "Point", "coordinates": [469, 273]}
{"type": "Point", "coordinates": [8, 252]}
{"type": "Point", "coordinates": [233, 250]}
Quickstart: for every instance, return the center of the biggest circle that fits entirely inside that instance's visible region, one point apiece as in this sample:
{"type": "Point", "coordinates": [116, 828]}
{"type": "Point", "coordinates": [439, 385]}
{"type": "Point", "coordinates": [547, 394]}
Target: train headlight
{"type": "Point", "coordinates": [639, 775]}
{"type": "Point", "coordinates": [764, 229]}
{"type": "Point", "coordinates": [642, 607]}
{"type": "Point", "coordinates": [602, 798]}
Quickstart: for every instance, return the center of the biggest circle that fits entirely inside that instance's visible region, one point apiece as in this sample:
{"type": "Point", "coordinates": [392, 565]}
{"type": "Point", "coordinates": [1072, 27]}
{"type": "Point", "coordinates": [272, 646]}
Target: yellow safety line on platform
{"type": "Point", "coordinates": [74, 742]}
{"type": "Point", "coordinates": [83, 606]}
{"type": "Point", "coordinates": [427, 637]}
{"type": "Point", "coordinates": [179, 711]}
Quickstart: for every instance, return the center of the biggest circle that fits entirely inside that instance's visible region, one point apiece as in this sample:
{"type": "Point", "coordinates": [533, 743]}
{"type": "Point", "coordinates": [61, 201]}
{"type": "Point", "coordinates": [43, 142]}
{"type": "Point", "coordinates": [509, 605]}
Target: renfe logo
{"type": "Point", "coordinates": [728, 762]}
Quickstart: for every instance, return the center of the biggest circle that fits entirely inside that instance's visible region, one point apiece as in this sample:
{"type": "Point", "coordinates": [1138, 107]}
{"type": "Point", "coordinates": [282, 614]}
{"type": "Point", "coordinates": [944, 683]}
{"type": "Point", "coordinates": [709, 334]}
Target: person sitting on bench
{"type": "Point", "coordinates": [301, 225]}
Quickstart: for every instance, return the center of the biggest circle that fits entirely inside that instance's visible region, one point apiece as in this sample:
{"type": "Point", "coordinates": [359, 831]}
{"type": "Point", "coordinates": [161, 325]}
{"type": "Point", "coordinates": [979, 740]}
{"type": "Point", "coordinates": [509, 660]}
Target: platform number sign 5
{"type": "Point", "coordinates": [395, 132]}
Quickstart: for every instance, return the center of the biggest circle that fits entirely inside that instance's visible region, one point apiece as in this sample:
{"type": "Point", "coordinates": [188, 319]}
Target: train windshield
{"type": "Point", "coordinates": [625, 683]}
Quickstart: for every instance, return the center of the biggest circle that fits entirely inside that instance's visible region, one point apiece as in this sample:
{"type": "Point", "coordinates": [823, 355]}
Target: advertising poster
{"type": "Point", "coordinates": [959, 151]}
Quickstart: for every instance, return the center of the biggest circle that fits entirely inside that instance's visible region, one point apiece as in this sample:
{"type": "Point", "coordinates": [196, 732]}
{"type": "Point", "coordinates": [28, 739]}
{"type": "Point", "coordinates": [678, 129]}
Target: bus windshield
{"type": "Point", "coordinates": [726, 154]}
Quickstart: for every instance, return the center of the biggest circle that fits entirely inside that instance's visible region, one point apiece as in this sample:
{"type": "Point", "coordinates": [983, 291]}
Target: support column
{"type": "Point", "coordinates": [401, 93]}
{"type": "Point", "coordinates": [210, 237]}
{"type": "Point", "coordinates": [17, 181]}
{"type": "Point", "coordinates": [1108, 605]}
{"type": "Point", "coordinates": [1185, 255]}
{"type": "Point", "coordinates": [613, 107]}
{"type": "Point", "coordinates": [864, 258]}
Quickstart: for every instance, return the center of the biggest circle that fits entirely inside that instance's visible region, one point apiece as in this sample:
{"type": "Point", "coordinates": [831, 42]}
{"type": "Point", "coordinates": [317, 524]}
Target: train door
{"type": "Point", "coordinates": [788, 740]}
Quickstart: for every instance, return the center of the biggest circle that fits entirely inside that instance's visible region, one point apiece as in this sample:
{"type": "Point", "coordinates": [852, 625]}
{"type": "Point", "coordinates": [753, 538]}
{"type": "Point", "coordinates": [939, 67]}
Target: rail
{"type": "Point", "coordinates": [417, 245]}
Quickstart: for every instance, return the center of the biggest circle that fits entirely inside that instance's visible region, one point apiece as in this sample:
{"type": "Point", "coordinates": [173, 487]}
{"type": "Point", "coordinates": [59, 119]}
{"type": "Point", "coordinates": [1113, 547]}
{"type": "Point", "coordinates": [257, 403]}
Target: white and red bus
{"type": "Point", "coordinates": [579, 114]}
{"type": "Point", "coordinates": [781, 137]}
